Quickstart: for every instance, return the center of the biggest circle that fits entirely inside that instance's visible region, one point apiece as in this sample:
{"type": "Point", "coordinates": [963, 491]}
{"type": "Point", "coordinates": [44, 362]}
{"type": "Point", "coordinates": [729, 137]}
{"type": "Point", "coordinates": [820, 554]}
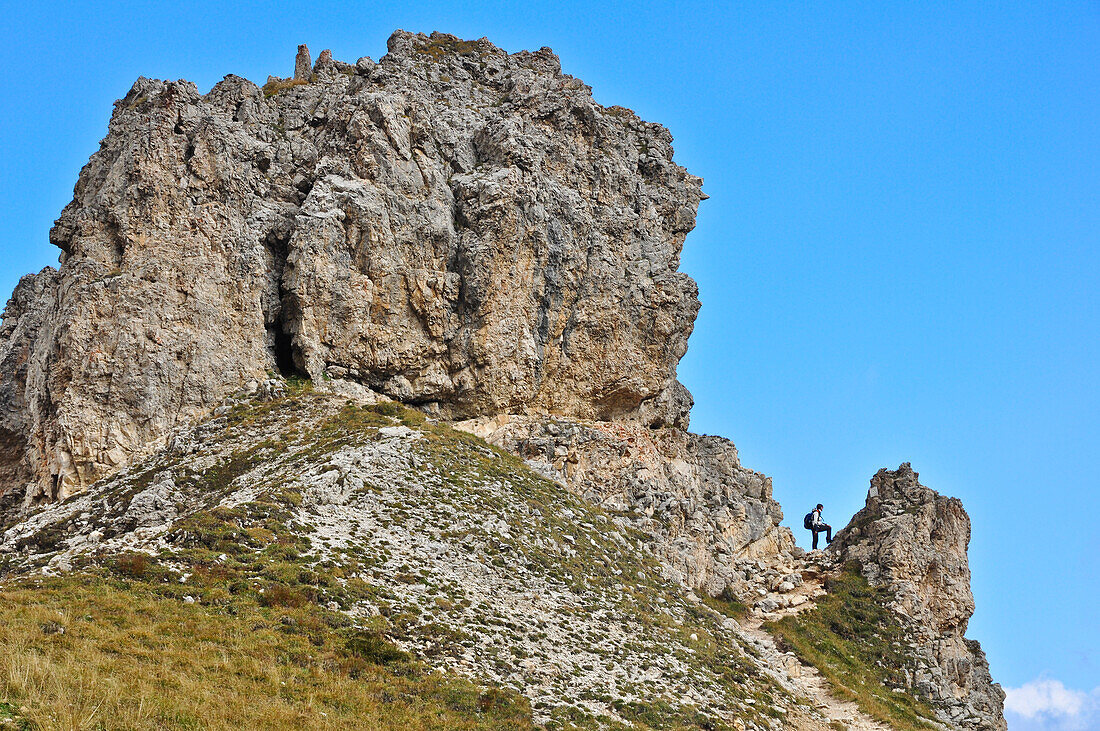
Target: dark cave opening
{"type": "Point", "coordinates": [283, 350]}
{"type": "Point", "coordinates": [280, 306]}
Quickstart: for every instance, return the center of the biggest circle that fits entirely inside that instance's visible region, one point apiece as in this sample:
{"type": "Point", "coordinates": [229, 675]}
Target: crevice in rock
{"type": "Point", "coordinates": [278, 309]}
{"type": "Point", "coordinates": [551, 298]}
{"type": "Point", "coordinates": [115, 255]}
{"type": "Point", "coordinates": [303, 184]}
{"type": "Point", "coordinates": [12, 468]}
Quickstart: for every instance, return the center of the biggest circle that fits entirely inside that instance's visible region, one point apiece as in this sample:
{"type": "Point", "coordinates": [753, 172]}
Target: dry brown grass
{"type": "Point", "coordinates": [272, 88]}
{"type": "Point", "coordinates": [130, 659]}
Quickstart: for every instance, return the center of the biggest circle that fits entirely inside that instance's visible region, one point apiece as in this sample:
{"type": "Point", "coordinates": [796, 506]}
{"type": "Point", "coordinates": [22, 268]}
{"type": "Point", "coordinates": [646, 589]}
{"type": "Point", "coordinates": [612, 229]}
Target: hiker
{"type": "Point", "coordinates": [814, 523]}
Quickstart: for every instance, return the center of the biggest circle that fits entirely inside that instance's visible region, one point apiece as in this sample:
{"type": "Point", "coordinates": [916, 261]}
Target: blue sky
{"type": "Point", "coordinates": [899, 260]}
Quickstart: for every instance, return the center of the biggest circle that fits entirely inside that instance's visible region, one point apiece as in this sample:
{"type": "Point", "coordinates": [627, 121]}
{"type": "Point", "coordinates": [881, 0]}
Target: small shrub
{"type": "Point", "coordinates": [373, 648]}
{"type": "Point", "coordinates": [280, 595]}
{"type": "Point", "coordinates": [496, 699]}
{"type": "Point", "coordinates": [387, 408]}
{"type": "Point", "coordinates": [134, 565]}
{"type": "Point", "coordinates": [272, 88]}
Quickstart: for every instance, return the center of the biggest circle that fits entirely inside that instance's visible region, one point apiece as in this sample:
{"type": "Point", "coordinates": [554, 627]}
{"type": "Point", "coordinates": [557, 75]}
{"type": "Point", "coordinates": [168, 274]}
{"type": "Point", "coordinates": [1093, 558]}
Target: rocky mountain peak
{"type": "Point", "coordinates": [913, 540]}
{"type": "Point", "coordinates": [454, 227]}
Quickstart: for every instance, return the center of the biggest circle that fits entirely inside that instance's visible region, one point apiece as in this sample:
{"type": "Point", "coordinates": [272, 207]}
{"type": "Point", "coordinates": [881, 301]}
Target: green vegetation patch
{"type": "Point", "coordinates": [858, 645]}
{"type": "Point", "coordinates": [660, 714]}
{"type": "Point", "coordinates": [726, 603]}
{"type": "Point", "coordinates": [95, 650]}
{"type": "Point", "coordinates": [373, 648]}
{"type": "Point", "coordinates": [437, 48]}
{"type": "Point", "coordinates": [11, 719]}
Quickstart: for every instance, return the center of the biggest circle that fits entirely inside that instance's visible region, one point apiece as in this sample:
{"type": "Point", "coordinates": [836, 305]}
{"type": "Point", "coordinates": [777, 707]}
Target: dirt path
{"type": "Point", "coordinates": [824, 710]}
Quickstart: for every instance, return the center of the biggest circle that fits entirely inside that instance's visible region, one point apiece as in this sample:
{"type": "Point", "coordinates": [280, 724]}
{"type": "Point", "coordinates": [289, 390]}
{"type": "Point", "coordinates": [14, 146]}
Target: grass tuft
{"type": "Point", "coordinates": [373, 648]}
{"type": "Point", "coordinates": [438, 48]}
{"type": "Point", "coordinates": [727, 604]}
{"type": "Point", "coordinates": [272, 88]}
{"type": "Point", "coordinates": [133, 565]}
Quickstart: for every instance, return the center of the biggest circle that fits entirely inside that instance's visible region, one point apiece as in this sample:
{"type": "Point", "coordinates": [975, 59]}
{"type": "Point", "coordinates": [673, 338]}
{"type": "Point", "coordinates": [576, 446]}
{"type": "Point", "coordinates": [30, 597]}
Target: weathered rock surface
{"type": "Point", "coordinates": [28, 321]}
{"type": "Point", "coordinates": [466, 231]}
{"type": "Point", "coordinates": [914, 540]}
{"type": "Point", "coordinates": [303, 69]}
{"type": "Point", "coordinates": [711, 517]}
{"type": "Point", "coordinates": [453, 226]}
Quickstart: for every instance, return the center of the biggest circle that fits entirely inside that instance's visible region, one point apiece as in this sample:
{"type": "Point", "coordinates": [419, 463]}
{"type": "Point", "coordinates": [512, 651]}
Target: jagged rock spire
{"type": "Point", "coordinates": [914, 541]}
{"type": "Point", "coordinates": [303, 66]}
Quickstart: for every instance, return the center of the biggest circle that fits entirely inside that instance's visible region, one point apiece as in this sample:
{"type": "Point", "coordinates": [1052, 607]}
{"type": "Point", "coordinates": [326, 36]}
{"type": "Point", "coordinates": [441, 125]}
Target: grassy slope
{"type": "Point", "coordinates": [105, 651]}
{"type": "Point", "coordinates": [260, 646]}
{"type": "Point", "coordinates": [119, 644]}
{"type": "Point", "coordinates": [857, 644]}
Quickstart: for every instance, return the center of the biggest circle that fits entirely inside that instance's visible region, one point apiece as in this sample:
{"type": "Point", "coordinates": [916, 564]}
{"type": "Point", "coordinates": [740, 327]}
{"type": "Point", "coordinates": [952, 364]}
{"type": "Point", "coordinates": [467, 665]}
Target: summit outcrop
{"type": "Point", "coordinates": [914, 541]}
{"type": "Point", "coordinates": [453, 226]}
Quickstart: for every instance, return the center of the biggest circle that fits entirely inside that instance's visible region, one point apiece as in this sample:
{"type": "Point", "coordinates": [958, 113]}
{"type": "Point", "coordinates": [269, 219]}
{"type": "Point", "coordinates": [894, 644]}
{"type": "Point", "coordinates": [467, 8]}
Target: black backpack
{"type": "Point", "coordinates": [808, 521]}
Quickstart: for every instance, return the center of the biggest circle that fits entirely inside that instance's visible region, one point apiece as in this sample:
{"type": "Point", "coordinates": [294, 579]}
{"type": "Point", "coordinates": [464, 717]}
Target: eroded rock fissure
{"type": "Point", "coordinates": [278, 315]}
{"type": "Point", "coordinates": [12, 470]}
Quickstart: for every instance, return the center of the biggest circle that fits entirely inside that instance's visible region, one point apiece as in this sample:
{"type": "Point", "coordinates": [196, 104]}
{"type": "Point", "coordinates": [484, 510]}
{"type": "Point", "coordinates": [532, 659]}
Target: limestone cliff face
{"type": "Point", "coordinates": [453, 226]}
{"type": "Point", "coordinates": [914, 540]}
{"type": "Point", "coordinates": [27, 320]}
{"type": "Point", "coordinates": [712, 517]}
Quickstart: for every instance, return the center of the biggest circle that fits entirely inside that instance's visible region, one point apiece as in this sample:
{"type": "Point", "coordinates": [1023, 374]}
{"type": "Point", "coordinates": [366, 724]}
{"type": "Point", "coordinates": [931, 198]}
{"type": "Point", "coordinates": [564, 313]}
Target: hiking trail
{"type": "Point", "coordinates": [803, 680]}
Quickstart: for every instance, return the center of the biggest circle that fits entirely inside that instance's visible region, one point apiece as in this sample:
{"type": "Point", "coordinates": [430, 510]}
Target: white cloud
{"type": "Point", "coordinates": [1044, 696]}
{"type": "Point", "coordinates": [1045, 704]}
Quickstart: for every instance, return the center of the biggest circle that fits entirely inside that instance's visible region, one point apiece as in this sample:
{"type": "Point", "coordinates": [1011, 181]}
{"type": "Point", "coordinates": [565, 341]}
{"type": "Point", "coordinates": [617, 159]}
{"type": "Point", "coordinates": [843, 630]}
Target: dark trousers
{"type": "Point", "coordinates": [826, 529]}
